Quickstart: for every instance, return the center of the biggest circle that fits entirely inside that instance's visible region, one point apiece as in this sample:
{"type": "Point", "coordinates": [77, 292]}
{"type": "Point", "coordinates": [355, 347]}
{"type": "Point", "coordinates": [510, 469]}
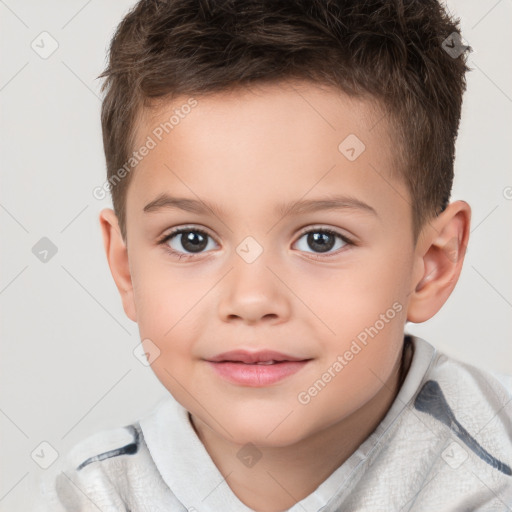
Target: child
{"type": "Point", "coordinates": [280, 175]}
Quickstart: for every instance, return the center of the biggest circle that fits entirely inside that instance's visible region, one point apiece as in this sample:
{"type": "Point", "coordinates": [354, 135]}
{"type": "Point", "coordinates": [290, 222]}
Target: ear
{"type": "Point", "coordinates": [117, 256]}
{"type": "Point", "coordinates": [439, 256]}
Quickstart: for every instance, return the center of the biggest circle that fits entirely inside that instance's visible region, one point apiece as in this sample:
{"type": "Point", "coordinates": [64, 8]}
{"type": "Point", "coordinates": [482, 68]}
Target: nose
{"type": "Point", "coordinates": [253, 292]}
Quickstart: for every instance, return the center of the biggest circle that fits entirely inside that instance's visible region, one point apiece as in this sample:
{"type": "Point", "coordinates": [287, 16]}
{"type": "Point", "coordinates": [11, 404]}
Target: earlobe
{"type": "Point", "coordinates": [440, 257]}
{"type": "Point", "coordinates": [117, 257]}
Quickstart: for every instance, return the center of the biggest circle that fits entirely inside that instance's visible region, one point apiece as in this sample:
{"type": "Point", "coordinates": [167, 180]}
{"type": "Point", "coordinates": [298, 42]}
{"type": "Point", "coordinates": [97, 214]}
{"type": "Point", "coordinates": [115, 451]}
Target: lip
{"type": "Point", "coordinates": [244, 356]}
{"type": "Point", "coordinates": [240, 367]}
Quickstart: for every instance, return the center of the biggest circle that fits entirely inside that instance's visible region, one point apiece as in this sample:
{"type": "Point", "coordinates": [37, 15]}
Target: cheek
{"type": "Point", "coordinates": [162, 296]}
{"type": "Point", "coordinates": [359, 293]}
{"type": "Point", "coordinates": [168, 307]}
{"type": "Point", "coordinates": [365, 305]}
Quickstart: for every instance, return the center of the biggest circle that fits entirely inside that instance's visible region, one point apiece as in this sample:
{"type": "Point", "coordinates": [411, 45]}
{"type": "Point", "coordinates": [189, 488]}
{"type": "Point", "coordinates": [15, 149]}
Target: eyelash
{"type": "Point", "coordinates": [163, 241]}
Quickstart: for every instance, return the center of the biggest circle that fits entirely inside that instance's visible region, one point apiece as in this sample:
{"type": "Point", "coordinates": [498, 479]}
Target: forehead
{"type": "Point", "coordinates": [318, 104]}
{"type": "Point", "coordinates": [281, 140]}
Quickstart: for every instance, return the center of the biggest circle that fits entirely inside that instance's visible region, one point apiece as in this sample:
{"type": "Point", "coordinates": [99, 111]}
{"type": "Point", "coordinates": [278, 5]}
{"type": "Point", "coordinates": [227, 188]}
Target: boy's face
{"type": "Point", "coordinates": [255, 281]}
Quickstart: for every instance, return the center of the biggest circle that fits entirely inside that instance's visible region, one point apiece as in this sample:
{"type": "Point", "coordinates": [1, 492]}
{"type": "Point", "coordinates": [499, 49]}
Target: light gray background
{"type": "Point", "coordinates": [67, 362]}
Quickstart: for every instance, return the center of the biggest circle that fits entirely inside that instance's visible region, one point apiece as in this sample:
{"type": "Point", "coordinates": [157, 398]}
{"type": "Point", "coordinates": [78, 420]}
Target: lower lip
{"type": "Point", "coordinates": [256, 375]}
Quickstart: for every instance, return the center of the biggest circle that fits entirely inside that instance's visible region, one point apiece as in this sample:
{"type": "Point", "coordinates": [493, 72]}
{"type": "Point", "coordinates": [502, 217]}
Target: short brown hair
{"type": "Point", "coordinates": [388, 50]}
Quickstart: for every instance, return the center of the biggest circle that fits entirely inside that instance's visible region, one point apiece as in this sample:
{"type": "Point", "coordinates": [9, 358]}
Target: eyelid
{"type": "Point", "coordinates": [323, 227]}
{"type": "Point", "coordinates": [162, 241]}
{"type": "Point", "coordinates": [318, 227]}
{"type": "Point", "coordinates": [302, 232]}
{"type": "Point", "coordinates": [185, 227]}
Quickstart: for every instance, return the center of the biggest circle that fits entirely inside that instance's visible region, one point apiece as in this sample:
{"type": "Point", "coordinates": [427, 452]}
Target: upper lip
{"type": "Point", "coordinates": [245, 356]}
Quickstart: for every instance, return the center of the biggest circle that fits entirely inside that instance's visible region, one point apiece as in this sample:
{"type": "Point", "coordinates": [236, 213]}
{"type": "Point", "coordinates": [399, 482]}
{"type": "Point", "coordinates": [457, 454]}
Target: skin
{"type": "Point", "coordinates": [247, 151]}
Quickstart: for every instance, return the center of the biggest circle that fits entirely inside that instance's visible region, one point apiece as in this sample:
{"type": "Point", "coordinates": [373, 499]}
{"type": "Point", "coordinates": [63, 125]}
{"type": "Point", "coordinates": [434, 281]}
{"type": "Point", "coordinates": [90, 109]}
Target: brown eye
{"type": "Point", "coordinates": [322, 241]}
{"type": "Point", "coordinates": [193, 241]}
{"type": "Point", "coordinates": [187, 241]}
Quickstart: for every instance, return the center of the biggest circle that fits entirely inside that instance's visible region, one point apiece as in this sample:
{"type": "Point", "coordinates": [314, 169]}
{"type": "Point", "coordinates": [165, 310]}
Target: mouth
{"type": "Point", "coordinates": [256, 369]}
{"type": "Point", "coordinates": [259, 362]}
{"type": "Point", "coordinates": [259, 357]}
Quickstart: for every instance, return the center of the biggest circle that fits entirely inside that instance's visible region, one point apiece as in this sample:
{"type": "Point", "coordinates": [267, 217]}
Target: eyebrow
{"type": "Point", "coordinates": [165, 202]}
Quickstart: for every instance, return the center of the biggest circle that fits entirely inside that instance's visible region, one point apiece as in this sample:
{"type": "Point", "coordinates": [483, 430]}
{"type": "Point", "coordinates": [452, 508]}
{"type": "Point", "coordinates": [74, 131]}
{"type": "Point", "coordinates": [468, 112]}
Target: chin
{"type": "Point", "coordinates": [267, 434]}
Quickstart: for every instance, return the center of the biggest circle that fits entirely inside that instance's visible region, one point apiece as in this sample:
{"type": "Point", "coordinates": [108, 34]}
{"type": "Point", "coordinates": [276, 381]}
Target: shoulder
{"type": "Point", "coordinates": [104, 445]}
{"type": "Point", "coordinates": [472, 404]}
{"type": "Point", "coordinates": [467, 383]}
{"type": "Point", "coordinates": [91, 472]}
{"type": "Point", "coordinates": [504, 379]}
{"type": "Point", "coordinates": [452, 447]}
{"type": "Point", "coordinates": [459, 380]}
